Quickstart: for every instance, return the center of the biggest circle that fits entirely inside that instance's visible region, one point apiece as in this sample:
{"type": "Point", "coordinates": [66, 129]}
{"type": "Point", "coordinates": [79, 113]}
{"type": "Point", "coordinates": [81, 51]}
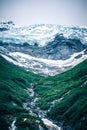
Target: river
{"type": "Point", "coordinates": [37, 112]}
{"type": "Point", "coordinates": [13, 126]}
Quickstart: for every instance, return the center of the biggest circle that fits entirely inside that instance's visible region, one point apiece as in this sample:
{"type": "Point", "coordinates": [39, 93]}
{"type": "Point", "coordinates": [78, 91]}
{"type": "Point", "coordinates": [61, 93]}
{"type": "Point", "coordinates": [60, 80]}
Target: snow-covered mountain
{"type": "Point", "coordinates": [44, 49]}
{"type": "Point", "coordinates": [4, 26]}
{"type": "Point", "coordinates": [39, 33]}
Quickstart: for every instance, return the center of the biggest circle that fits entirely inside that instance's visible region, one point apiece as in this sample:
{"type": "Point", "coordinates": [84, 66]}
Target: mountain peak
{"type": "Point", "coordinates": [5, 26]}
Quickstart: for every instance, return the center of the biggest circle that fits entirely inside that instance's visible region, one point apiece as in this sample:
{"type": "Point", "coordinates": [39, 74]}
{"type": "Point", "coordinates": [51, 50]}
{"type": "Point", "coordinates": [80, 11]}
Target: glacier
{"type": "Point", "coordinates": [41, 33]}
{"type": "Point", "coordinates": [44, 49]}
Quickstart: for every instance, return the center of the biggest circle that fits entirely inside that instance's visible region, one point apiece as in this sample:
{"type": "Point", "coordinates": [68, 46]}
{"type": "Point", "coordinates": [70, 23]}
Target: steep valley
{"type": "Point", "coordinates": [43, 77]}
{"type": "Point", "coordinates": [19, 87]}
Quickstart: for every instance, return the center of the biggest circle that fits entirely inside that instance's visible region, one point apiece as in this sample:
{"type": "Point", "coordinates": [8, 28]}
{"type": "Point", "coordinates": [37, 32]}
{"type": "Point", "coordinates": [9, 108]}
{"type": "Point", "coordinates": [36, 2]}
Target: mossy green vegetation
{"type": "Point", "coordinates": [71, 86]}
{"type": "Point", "coordinates": [13, 82]}
{"type": "Point", "coordinates": [64, 96]}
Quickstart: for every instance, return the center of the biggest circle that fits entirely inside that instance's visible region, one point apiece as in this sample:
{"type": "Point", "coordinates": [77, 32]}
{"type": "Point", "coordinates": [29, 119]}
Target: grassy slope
{"type": "Point", "coordinates": [13, 81]}
{"type": "Point", "coordinates": [72, 110]}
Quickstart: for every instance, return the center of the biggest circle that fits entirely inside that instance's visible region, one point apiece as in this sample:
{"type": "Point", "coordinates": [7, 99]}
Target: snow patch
{"type": "Point", "coordinates": [50, 124]}
{"type": "Point", "coordinates": [44, 66]}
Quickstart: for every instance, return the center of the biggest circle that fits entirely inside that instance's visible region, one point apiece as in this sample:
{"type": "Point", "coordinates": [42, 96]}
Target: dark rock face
{"type": "Point", "coordinates": [5, 26]}
{"type": "Point", "coordinates": [3, 29]}
{"type": "Point", "coordinates": [60, 48]}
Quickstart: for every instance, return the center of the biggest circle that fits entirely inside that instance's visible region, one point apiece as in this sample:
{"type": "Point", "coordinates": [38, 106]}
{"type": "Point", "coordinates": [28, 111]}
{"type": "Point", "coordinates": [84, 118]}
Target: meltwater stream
{"type": "Point", "coordinates": [13, 126]}
{"type": "Point", "coordinates": [37, 112]}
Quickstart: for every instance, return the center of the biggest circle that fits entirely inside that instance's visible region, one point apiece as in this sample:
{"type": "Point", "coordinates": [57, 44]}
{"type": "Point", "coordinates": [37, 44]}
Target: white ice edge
{"type": "Point", "coordinates": [23, 59]}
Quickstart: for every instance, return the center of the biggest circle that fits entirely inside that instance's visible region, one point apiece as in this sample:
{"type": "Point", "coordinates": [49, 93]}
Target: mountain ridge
{"type": "Point", "coordinates": [53, 98]}
{"type": "Point", "coordinates": [42, 33]}
{"type": "Point", "coordinates": [44, 49]}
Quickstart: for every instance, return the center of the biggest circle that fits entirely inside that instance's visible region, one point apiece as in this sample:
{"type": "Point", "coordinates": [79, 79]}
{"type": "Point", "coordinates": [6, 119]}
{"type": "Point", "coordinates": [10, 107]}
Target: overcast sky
{"type": "Point", "coordinates": [26, 12]}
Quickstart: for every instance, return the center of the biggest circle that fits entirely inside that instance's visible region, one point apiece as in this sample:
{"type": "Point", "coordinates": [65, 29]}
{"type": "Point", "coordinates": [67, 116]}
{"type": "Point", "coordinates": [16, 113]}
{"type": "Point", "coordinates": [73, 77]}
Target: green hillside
{"type": "Point", "coordinates": [71, 111]}
{"type": "Point", "coordinates": [13, 81]}
{"type": "Point", "coordinates": [63, 96]}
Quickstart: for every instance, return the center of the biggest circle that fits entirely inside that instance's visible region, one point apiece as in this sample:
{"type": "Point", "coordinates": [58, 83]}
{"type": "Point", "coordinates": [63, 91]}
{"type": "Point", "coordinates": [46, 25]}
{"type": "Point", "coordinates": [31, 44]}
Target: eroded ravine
{"type": "Point", "coordinates": [37, 112]}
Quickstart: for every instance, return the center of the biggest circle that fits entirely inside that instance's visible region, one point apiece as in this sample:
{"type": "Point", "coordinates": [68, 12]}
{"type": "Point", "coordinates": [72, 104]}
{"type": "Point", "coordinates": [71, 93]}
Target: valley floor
{"type": "Point", "coordinates": [33, 102]}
